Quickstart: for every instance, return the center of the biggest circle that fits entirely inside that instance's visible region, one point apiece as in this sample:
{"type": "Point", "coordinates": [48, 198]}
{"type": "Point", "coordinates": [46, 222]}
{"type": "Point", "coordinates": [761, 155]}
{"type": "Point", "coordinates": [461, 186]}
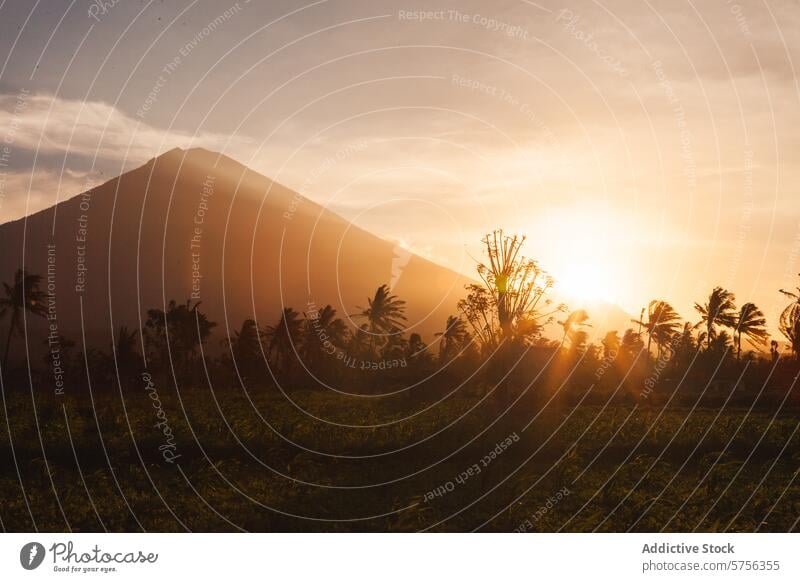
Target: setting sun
{"type": "Point", "coordinates": [587, 281]}
{"type": "Point", "coordinates": [587, 250]}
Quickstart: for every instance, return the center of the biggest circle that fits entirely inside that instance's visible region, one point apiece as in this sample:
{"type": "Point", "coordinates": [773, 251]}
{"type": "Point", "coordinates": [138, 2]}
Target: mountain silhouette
{"type": "Point", "coordinates": [197, 224]}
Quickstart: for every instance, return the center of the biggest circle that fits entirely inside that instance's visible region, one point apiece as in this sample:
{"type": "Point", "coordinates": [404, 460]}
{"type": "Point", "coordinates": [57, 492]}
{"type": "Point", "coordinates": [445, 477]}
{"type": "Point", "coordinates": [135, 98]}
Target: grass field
{"type": "Point", "coordinates": [258, 462]}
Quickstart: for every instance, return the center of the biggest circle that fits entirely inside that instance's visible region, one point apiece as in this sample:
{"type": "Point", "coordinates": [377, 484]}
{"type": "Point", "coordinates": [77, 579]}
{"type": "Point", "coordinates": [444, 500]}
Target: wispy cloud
{"type": "Point", "coordinates": [97, 130]}
{"type": "Point", "coordinates": [91, 134]}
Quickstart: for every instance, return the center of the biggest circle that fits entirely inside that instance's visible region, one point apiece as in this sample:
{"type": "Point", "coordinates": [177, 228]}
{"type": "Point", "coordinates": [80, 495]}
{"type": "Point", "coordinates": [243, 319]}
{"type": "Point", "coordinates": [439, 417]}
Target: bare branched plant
{"type": "Point", "coordinates": [511, 304]}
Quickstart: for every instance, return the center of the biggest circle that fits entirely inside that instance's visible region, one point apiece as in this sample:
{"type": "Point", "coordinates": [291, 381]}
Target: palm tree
{"type": "Point", "coordinates": [574, 326]}
{"type": "Point", "coordinates": [720, 309]}
{"type": "Point", "coordinates": [632, 341]}
{"type": "Point", "coordinates": [184, 326]}
{"type": "Point", "coordinates": [284, 336]}
{"type": "Point", "coordinates": [128, 360]}
{"type": "Point", "coordinates": [416, 348]}
{"type": "Point", "coordinates": [395, 346]}
{"type": "Point", "coordinates": [721, 343]}
{"type": "Point", "coordinates": [323, 334]}
{"type": "Point", "coordinates": [22, 295]}
{"type": "Point", "coordinates": [611, 346]}
{"type": "Point", "coordinates": [683, 342]}
{"type": "Point", "coordinates": [385, 314]}
{"type": "Point", "coordinates": [662, 321]}
{"type": "Point", "coordinates": [790, 321]}
{"type": "Point", "coordinates": [359, 343]}
{"type": "Point", "coordinates": [750, 323]}
{"type": "Point", "coordinates": [453, 336]}
{"type": "Point", "coordinates": [245, 345]}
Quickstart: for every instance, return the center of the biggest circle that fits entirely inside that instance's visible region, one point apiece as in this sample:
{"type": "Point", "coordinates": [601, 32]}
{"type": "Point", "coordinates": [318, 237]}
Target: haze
{"type": "Point", "coordinates": [647, 149]}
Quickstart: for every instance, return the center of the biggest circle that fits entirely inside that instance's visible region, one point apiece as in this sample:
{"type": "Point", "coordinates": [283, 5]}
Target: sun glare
{"type": "Point", "coordinates": [587, 254]}
{"type": "Point", "coordinates": [587, 281]}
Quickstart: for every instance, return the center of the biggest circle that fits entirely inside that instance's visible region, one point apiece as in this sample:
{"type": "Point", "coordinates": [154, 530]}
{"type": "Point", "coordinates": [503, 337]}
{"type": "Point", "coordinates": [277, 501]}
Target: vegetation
{"type": "Point", "coordinates": [284, 430]}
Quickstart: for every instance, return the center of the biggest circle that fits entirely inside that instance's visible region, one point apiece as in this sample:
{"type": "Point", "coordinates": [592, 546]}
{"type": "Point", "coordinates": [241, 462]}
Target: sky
{"type": "Point", "coordinates": [648, 149]}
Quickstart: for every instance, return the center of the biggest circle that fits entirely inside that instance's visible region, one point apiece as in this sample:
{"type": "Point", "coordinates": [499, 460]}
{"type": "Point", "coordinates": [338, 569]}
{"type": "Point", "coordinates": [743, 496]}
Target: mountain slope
{"type": "Point", "coordinates": [195, 224]}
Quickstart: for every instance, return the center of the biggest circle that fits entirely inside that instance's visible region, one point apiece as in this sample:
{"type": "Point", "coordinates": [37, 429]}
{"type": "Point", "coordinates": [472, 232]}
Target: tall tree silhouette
{"type": "Point", "coordinates": [574, 329]}
{"type": "Point", "coordinates": [662, 321]}
{"type": "Point", "coordinates": [452, 338]}
{"type": "Point", "coordinates": [511, 303]}
{"type": "Point", "coordinates": [284, 337]}
{"type": "Point", "coordinates": [128, 361]}
{"type": "Point", "coordinates": [385, 316]}
{"type": "Point", "coordinates": [23, 295]}
{"type": "Point", "coordinates": [751, 323]}
{"type": "Point", "coordinates": [611, 345]}
{"type": "Point", "coordinates": [323, 333]}
{"type": "Point", "coordinates": [789, 322]}
{"type": "Point", "coordinates": [245, 346]}
{"type": "Point", "coordinates": [417, 349]}
{"type": "Point", "coordinates": [684, 346]}
{"type": "Point", "coordinates": [720, 309]}
{"type": "Point", "coordinates": [184, 326]}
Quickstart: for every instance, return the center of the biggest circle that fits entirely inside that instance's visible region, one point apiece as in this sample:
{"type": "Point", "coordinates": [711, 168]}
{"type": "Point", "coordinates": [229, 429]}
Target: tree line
{"type": "Point", "coordinates": [505, 312]}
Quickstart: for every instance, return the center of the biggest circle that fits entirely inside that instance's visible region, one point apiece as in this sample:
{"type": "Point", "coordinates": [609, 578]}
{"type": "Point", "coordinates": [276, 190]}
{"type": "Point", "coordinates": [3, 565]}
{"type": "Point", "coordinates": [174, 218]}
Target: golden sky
{"type": "Point", "coordinates": [647, 149]}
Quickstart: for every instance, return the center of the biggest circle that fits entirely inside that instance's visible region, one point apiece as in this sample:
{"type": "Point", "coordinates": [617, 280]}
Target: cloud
{"type": "Point", "coordinates": [25, 192]}
{"type": "Point", "coordinates": [85, 138]}
{"type": "Point", "coordinates": [95, 129]}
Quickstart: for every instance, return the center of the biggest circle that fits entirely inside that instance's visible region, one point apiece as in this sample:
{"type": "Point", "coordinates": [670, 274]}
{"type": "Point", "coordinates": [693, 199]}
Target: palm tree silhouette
{"type": "Point", "coordinates": [574, 326]}
{"type": "Point", "coordinates": [611, 345]}
{"type": "Point", "coordinates": [683, 342]}
{"type": "Point", "coordinates": [455, 331]}
{"type": "Point", "coordinates": [385, 314]}
{"type": "Point", "coordinates": [284, 336]}
{"type": "Point", "coordinates": [322, 333]}
{"type": "Point", "coordinates": [22, 295]}
{"type": "Point", "coordinates": [790, 320]}
{"type": "Point", "coordinates": [184, 326]}
{"type": "Point", "coordinates": [128, 360]}
{"type": "Point", "coordinates": [720, 309]}
{"type": "Point", "coordinates": [632, 341]}
{"type": "Point", "coordinates": [245, 346]}
{"type": "Point", "coordinates": [751, 323]}
{"type": "Point", "coordinates": [662, 321]}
